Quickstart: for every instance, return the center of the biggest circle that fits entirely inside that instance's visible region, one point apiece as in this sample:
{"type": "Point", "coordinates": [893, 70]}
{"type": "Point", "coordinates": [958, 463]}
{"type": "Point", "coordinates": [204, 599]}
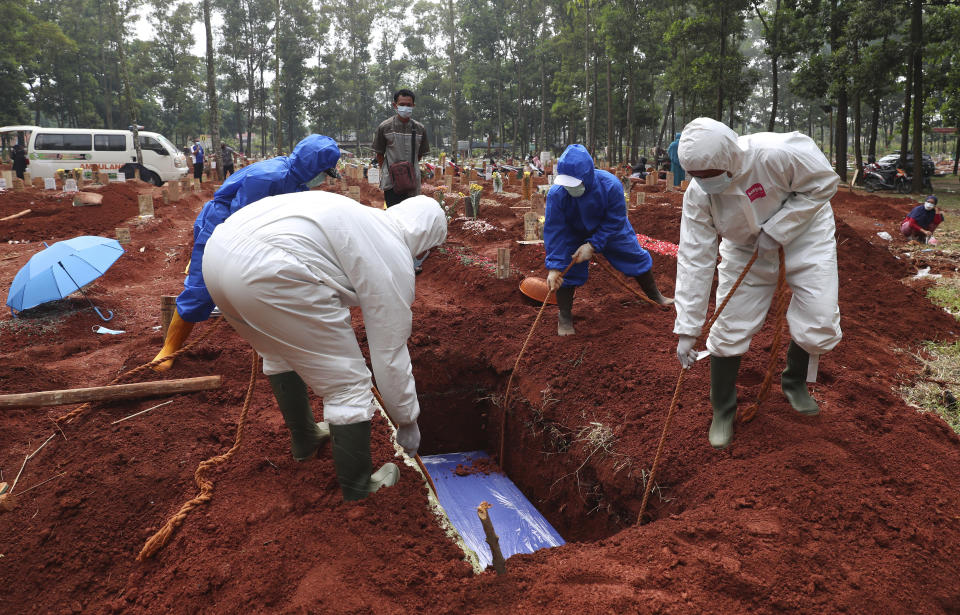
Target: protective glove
{"type": "Point", "coordinates": [408, 436]}
{"type": "Point", "coordinates": [766, 243]}
{"type": "Point", "coordinates": [332, 172]}
{"type": "Point", "coordinates": [685, 352]}
{"type": "Point", "coordinates": [583, 253]}
{"type": "Point", "coordinates": [554, 280]}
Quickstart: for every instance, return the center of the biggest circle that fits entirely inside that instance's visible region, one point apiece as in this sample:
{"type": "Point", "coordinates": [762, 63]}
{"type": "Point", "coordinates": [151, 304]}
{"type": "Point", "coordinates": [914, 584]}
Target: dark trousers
{"type": "Point", "coordinates": [198, 170]}
{"type": "Point", "coordinates": [392, 198]}
{"type": "Point", "coordinates": [227, 171]}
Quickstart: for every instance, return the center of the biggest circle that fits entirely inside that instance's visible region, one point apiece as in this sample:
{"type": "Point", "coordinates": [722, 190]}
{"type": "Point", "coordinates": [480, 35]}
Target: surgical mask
{"type": "Point", "coordinates": [576, 191]}
{"type": "Point", "coordinates": [928, 205]}
{"type": "Point", "coordinates": [316, 181]}
{"type": "Point", "coordinates": [404, 111]}
{"type": "Point", "coordinates": [714, 185]}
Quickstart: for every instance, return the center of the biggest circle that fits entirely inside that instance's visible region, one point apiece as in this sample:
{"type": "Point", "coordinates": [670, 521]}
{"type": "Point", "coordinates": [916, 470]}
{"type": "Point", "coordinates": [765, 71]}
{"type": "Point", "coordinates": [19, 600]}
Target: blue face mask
{"type": "Point", "coordinates": [404, 111]}
{"type": "Point", "coordinates": [575, 191]}
{"type": "Point", "coordinates": [716, 184]}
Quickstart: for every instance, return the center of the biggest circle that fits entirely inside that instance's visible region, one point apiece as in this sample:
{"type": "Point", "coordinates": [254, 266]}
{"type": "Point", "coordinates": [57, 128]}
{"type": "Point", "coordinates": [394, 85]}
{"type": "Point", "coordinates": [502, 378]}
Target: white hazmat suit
{"type": "Point", "coordinates": [781, 185]}
{"type": "Point", "coordinates": [285, 271]}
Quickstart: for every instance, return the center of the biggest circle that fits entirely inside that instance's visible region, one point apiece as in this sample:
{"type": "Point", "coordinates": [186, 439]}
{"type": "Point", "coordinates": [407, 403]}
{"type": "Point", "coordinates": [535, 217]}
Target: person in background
{"type": "Point", "coordinates": [675, 167]}
{"type": "Point", "coordinates": [285, 271]}
{"type": "Point", "coordinates": [226, 154]}
{"type": "Point", "coordinates": [392, 144]}
{"type": "Point", "coordinates": [586, 213]}
{"type": "Point", "coordinates": [196, 153]}
{"type": "Point", "coordinates": [922, 221]}
{"type": "Point", "coordinates": [755, 194]}
{"type": "Point", "coordinates": [20, 160]}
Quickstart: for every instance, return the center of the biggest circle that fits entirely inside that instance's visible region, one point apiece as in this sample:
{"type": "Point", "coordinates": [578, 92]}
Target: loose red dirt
{"type": "Point", "coordinates": [851, 511]}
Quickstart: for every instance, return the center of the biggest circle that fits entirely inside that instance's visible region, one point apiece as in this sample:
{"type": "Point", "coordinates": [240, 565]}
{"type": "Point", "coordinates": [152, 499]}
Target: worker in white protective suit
{"type": "Point", "coordinates": [285, 271]}
{"type": "Point", "coordinates": [758, 192]}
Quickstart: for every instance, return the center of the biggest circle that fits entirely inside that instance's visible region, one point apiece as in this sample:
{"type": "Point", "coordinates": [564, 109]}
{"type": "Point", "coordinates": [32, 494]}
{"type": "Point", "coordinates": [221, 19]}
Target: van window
{"type": "Point", "coordinates": [153, 145]}
{"type": "Point", "coordinates": [63, 142]}
{"type": "Point", "coordinates": [110, 143]}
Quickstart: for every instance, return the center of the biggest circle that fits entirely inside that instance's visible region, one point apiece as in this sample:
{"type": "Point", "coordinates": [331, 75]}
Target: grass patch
{"type": "Point", "coordinates": [946, 294]}
{"type": "Point", "coordinates": [940, 373]}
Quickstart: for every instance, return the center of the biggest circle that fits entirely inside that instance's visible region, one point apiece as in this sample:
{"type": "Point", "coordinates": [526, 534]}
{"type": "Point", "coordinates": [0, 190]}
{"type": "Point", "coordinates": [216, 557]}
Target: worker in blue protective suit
{"type": "Point", "coordinates": [586, 213]}
{"type": "Point", "coordinates": [673, 151]}
{"type": "Point", "coordinates": [310, 159]}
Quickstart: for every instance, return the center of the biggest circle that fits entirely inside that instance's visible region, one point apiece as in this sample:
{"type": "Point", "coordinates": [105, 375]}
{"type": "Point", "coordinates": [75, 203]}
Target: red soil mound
{"type": "Point", "coordinates": [851, 511]}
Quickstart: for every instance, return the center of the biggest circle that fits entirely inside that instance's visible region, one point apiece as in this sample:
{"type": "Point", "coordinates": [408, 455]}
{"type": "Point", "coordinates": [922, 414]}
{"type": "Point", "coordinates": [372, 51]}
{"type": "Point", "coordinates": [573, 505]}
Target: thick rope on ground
{"type": "Point", "coordinates": [164, 534]}
{"type": "Point", "coordinates": [136, 370]}
{"type": "Point", "coordinates": [506, 395]}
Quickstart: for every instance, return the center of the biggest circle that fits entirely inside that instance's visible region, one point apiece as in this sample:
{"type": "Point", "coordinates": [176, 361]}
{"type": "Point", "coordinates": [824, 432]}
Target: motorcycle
{"type": "Point", "coordinates": [876, 177]}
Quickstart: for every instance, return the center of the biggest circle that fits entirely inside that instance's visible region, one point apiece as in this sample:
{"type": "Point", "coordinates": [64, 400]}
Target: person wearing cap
{"type": "Point", "coordinates": [759, 192]}
{"type": "Point", "coordinates": [922, 221]}
{"type": "Point", "coordinates": [285, 271]}
{"type": "Point", "coordinates": [586, 212]}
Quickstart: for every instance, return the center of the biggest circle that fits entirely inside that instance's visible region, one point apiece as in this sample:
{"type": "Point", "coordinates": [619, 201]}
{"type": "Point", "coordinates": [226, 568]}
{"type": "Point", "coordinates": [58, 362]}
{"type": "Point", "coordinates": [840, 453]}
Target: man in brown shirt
{"type": "Point", "coordinates": [392, 144]}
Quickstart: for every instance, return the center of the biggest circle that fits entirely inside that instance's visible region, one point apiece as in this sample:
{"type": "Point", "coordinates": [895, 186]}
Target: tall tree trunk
{"type": "Point", "coordinates": [214, 117]}
{"type": "Point", "coordinates": [874, 126]}
{"type": "Point", "coordinates": [723, 54]}
{"type": "Point", "coordinates": [125, 79]}
{"type": "Point", "coordinates": [841, 123]}
{"type": "Point", "coordinates": [586, 81]}
{"type": "Point", "coordinates": [105, 83]}
{"type": "Point", "coordinates": [857, 145]}
{"type": "Point", "coordinates": [905, 126]}
{"type": "Point", "coordinates": [542, 142]}
{"type": "Point", "coordinates": [631, 130]}
{"type": "Point", "coordinates": [610, 142]}
{"type": "Point", "coordinates": [454, 68]}
{"type": "Point", "coordinates": [916, 41]}
{"type": "Point", "coordinates": [775, 94]}
{"type": "Point", "coordinates": [278, 132]}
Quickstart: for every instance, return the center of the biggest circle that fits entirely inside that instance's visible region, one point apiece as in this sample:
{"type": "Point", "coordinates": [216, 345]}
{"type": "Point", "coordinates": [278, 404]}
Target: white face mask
{"type": "Point", "coordinates": [576, 191]}
{"type": "Point", "coordinates": [928, 205]}
{"type": "Point", "coordinates": [404, 111]}
{"type": "Point", "coordinates": [716, 184]}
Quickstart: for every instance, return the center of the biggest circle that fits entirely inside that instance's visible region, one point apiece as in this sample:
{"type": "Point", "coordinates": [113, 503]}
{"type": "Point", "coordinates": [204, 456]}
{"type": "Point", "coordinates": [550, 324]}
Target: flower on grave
{"type": "Point", "coordinates": [475, 188]}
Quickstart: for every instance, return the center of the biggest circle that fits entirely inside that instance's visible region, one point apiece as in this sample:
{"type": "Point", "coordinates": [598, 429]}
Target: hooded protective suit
{"type": "Point", "coordinates": [675, 167]}
{"type": "Point", "coordinates": [782, 185]}
{"type": "Point", "coordinates": [598, 217]}
{"type": "Point", "coordinates": [285, 271]}
{"type": "Point", "coordinates": [281, 175]}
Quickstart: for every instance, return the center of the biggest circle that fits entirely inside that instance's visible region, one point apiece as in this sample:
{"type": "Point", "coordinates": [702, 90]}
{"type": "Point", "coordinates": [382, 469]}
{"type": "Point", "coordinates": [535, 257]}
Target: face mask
{"type": "Point", "coordinates": [404, 111]}
{"type": "Point", "coordinates": [928, 205]}
{"type": "Point", "coordinates": [714, 185]}
{"type": "Point", "coordinates": [316, 181]}
{"type": "Point", "coordinates": [576, 191]}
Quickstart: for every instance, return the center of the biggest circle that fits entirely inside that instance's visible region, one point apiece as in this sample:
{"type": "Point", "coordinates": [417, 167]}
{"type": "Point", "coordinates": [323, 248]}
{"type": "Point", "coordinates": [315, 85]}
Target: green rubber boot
{"type": "Point", "coordinates": [306, 436]}
{"type": "Point", "coordinates": [793, 381]}
{"type": "Point", "coordinates": [565, 304]}
{"type": "Point", "coordinates": [723, 398]}
{"type": "Point", "coordinates": [351, 457]}
{"type": "Point", "coordinates": [649, 287]}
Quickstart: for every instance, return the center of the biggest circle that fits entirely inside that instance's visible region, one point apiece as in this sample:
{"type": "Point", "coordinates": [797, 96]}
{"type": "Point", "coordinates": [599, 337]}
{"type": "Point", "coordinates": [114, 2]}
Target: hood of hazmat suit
{"type": "Point", "coordinates": [281, 175]}
{"type": "Point", "coordinates": [781, 185]}
{"type": "Point", "coordinates": [288, 267]}
{"type": "Point", "coordinates": [597, 217]}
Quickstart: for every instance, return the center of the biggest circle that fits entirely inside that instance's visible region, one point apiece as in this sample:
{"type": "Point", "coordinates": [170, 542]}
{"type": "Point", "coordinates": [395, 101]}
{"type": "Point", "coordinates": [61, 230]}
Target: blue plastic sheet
{"type": "Point", "coordinates": [520, 527]}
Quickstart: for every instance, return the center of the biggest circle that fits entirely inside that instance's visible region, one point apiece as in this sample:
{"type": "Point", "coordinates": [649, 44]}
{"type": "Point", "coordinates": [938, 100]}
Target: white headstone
{"type": "Point", "coordinates": [119, 177]}
{"type": "Point", "coordinates": [70, 185]}
{"type": "Point", "coordinates": [49, 183]}
{"type": "Point", "coordinates": [213, 164]}
{"type": "Point", "coordinates": [489, 174]}
{"type": "Point", "coordinates": [3, 183]}
{"type": "Point", "coordinates": [373, 175]}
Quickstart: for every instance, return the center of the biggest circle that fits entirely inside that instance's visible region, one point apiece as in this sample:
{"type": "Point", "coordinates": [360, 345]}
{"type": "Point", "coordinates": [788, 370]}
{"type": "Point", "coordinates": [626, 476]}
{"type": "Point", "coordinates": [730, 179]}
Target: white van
{"type": "Point", "coordinates": [53, 149]}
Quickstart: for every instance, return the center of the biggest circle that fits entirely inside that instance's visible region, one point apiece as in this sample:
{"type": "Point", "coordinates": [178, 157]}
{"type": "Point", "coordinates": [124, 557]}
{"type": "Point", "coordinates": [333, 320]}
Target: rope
{"type": "Point", "coordinates": [163, 535]}
{"type": "Point", "coordinates": [84, 407]}
{"type": "Point", "coordinates": [506, 396]}
{"type": "Point", "coordinates": [782, 300]}
{"type": "Point", "coordinates": [423, 468]}
{"type": "Point", "coordinates": [616, 278]}
{"type": "Point", "coordinates": [704, 331]}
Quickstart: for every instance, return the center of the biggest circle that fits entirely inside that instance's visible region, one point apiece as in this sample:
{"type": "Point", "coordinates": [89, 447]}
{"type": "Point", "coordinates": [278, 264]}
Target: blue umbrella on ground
{"type": "Point", "coordinates": [62, 269]}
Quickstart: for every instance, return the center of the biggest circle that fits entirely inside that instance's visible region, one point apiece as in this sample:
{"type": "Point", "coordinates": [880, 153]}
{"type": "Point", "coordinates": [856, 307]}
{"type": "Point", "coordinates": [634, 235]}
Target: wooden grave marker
{"type": "Point", "coordinates": [530, 222]}
{"type": "Point", "coordinates": [145, 201]}
{"type": "Point", "coordinates": [123, 235]}
{"type": "Point", "coordinates": [503, 263]}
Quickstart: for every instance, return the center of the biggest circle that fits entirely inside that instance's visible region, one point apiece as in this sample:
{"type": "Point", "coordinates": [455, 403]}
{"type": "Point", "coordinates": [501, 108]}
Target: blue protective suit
{"type": "Point", "coordinates": [598, 217]}
{"type": "Point", "coordinates": [280, 175]}
{"type": "Point", "coordinates": [673, 151]}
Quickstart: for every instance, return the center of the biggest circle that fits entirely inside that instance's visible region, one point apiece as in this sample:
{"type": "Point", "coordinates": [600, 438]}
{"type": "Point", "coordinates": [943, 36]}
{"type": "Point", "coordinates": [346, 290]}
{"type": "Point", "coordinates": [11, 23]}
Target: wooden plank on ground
{"type": "Point", "coordinates": [62, 397]}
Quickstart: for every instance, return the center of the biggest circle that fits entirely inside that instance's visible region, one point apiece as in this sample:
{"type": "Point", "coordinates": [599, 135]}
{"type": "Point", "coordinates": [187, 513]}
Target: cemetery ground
{"type": "Point", "coordinates": [855, 510]}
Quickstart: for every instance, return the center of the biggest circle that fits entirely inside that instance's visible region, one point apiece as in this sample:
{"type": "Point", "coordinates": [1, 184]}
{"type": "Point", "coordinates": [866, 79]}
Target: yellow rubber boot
{"type": "Point", "coordinates": [178, 331]}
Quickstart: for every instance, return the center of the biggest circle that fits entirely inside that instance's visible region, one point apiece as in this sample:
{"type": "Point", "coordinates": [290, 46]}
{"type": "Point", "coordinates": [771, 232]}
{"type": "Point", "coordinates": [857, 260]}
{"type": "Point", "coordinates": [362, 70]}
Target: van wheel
{"type": "Point", "coordinates": [150, 177]}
